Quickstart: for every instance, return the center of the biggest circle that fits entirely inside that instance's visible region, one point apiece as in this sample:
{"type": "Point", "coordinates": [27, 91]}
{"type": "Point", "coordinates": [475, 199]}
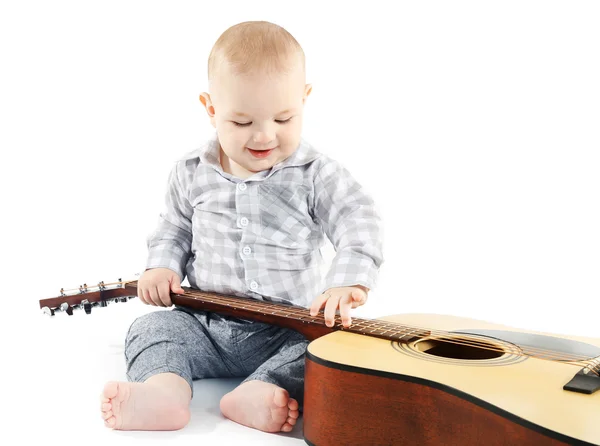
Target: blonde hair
{"type": "Point", "coordinates": [255, 45]}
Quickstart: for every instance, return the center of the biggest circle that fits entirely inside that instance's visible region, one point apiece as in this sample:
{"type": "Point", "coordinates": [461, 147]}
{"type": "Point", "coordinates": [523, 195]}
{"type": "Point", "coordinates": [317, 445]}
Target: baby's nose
{"type": "Point", "coordinates": [264, 137]}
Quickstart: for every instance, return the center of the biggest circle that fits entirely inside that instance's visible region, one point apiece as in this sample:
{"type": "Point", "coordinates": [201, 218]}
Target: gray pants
{"type": "Point", "coordinates": [199, 344]}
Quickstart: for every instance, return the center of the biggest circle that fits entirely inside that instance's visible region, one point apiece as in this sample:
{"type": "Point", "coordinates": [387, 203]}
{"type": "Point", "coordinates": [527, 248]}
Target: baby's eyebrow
{"type": "Point", "coordinates": [247, 116]}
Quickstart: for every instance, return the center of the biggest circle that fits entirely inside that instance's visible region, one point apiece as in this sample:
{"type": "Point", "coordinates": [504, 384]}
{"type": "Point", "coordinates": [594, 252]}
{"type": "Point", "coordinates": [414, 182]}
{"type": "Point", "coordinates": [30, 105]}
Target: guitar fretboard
{"type": "Point", "coordinates": [277, 312]}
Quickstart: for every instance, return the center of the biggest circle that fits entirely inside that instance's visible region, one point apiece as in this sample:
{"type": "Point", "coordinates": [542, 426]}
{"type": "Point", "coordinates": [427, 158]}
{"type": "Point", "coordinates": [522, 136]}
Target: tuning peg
{"type": "Point", "coordinates": [48, 311]}
{"type": "Point", "coordinates": [87, 306]}
{"type": "Point", "coordinates": [64, 307]}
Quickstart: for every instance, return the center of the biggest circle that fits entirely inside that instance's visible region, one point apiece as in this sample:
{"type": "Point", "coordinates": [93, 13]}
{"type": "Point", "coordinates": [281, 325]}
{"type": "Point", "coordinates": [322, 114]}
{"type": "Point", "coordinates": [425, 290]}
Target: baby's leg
{"type": "Point", "coordinates": [262, 401]}
{"type": "Point", "coordinates": [164, 351]}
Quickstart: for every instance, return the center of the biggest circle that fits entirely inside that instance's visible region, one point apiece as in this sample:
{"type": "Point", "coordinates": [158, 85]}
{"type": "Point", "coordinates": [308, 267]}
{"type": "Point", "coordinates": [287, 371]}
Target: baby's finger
{"type": "Point", "coordinates": [147, 297]}
{"type": "Point", "coordinates": [164, 293]}
{"type": "Point", "coordinates": [345, 305]}
{"type": "Point", "coordinates": [317, 304]}
{"type": "Point", "coordinates": [358, 298]}
{"type": "Point", "coordinates": [330, 308]}
{"type": "Point", "coordinates": [153, 292]}
{"type": "Point", "coordinates": [176, 285]}
{"type": "Point", "coordinates": [141, 295]}
{"type": "Point", "coordinates": [140, 292]}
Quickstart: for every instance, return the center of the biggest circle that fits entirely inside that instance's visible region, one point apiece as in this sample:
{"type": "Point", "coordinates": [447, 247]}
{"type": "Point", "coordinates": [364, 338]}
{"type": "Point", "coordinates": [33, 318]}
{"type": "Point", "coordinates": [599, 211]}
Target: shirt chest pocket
{"type": "Point", "coordinates": [284, 214]}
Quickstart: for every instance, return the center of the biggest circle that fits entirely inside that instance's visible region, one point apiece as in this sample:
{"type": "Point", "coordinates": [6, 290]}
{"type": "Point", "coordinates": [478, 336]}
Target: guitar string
{"type": "Point", "coordinates": [575, 360]}
{"type": "Point", "coordinates": [445, 336]}
{"type": "Point", "coordinates": [445, 339]}
{"type": "Point", "coordinates": [390, 326]}
{"type": "Point", "coordinates": [474, 342]}
{"type": "Point", "coordinates": [369, 324]}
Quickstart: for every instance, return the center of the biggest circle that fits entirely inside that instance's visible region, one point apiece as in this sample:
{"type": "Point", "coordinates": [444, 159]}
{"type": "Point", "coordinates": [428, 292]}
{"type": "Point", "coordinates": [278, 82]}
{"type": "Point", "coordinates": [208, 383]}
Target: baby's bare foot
{"type": "Point", "coordinates": [261, 405]}
{"type": "Point", "coordinates": [142, 406]}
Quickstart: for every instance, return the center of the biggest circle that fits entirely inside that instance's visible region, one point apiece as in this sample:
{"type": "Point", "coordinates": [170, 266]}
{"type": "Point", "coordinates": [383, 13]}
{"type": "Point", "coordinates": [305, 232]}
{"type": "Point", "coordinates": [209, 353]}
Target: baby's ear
{"type": "Point", "coordinates": [307, 91]}
{"type": "Point", "coordinates": [210, 109]}
{"type": "Point", "coordinates": [206, 101]}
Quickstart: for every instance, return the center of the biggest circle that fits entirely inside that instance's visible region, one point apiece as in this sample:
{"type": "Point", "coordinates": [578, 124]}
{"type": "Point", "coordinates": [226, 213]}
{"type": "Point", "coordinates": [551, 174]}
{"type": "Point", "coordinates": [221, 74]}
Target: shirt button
{"type": "Point", "coordinates": [244, 221]}
{"type": "Point", "coordinates": [242, 186]}
{"type": "Point", "coordinates": [253, 285]}
{"type": "Point", "coordinates": [246, 250]}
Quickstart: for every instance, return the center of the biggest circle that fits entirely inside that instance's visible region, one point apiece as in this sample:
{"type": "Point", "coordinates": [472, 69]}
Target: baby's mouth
{"type": "Point", "coordinates": [260, 153]}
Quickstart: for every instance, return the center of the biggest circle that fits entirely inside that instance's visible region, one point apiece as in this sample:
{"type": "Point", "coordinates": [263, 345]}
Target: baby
{"type": "Point", "coordinates": [246, 215]}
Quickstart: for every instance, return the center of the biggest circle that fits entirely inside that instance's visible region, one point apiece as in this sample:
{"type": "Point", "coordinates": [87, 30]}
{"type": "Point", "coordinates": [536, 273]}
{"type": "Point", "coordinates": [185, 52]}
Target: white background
{"type": "Point", "coordinates": [474, 125]}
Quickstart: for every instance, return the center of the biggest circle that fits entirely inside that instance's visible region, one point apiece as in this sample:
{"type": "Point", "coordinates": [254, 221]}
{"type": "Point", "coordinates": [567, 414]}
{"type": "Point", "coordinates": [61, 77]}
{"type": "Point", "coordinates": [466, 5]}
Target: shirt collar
{"type": "Point", "coordinates": [304, 154]}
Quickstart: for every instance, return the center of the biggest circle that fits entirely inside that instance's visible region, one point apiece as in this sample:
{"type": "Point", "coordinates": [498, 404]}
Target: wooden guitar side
{"type": "Point", "coordinates": [363, 391]}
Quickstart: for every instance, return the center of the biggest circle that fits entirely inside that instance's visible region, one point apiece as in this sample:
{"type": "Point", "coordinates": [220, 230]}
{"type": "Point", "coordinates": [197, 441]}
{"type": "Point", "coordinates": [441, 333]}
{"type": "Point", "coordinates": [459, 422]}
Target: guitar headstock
{"type": "Point", "coordinates": [87, 297]}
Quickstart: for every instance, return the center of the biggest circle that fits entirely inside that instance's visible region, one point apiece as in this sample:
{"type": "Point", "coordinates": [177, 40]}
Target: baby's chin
{"type": "Point", "coordinates": [260, 166]}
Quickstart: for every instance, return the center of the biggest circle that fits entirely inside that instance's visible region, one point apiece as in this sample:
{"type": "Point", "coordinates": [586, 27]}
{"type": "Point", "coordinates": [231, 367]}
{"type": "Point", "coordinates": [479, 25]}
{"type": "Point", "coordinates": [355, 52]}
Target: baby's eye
{"type": "Point", "coordinates": [246, 124]}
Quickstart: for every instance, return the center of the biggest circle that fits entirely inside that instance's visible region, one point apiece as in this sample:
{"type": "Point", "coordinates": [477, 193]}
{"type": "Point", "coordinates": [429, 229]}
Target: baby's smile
{"type": "Point", "coordinates": [260, 153]}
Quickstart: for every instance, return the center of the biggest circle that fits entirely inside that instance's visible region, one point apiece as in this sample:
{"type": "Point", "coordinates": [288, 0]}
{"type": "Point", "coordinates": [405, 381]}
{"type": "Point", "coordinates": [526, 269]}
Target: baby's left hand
{"type": "Point", "coordinates": [343, 298]}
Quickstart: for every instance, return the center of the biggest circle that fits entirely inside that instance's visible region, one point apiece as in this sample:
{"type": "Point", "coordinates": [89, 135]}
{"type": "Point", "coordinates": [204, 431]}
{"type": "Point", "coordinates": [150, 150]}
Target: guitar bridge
{"type": "Point", "coordinates": [584, 382]}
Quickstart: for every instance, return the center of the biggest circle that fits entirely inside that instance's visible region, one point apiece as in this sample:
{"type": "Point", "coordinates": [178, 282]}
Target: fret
{"type": "Point", "coordinates": [373, 327]}
{"type": "Point", "coordinates": [377, 327]}
{"type": "Point", "coordinates": [381, 326]}
{"type": "Point", "coordinates": [407, 336]}
{"type": "Point", "coordinates": [385, 331]}
{"type": "Point", "coordinates": [360, 330]}
{"type": "Point", "coordinates": [356, 327]}
{"type": "Point", "coordinates": [398, 337]}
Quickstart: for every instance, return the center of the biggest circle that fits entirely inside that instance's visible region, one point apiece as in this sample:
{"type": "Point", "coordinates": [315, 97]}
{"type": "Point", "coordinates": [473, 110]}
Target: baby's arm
{"type": "Point", "coordinates": [169, 246]}
{"type": "Point", "coordinates": [350, 221]}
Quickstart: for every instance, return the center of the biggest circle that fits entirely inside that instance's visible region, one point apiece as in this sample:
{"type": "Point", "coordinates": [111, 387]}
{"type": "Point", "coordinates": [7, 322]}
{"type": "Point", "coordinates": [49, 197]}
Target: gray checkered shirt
{"type": "Point", "coordinates": [261, 237]}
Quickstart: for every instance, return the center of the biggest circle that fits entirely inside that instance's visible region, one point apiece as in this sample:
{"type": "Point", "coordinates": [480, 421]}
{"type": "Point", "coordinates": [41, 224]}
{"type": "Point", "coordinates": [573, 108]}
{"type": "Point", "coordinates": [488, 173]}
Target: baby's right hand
{"type": "Point", "coordinates": [156, 284]}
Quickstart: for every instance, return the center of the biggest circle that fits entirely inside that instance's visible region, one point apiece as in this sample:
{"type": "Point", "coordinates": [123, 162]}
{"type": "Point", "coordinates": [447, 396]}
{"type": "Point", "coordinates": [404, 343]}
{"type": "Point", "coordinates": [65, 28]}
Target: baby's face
{"type": "Point", "coordinates": [258, 118]}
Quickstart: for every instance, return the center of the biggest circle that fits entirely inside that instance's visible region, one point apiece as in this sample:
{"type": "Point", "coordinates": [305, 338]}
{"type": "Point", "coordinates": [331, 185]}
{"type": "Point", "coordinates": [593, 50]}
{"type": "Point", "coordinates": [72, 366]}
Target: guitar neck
{"type": "Point", "coordinates": [287, 316]}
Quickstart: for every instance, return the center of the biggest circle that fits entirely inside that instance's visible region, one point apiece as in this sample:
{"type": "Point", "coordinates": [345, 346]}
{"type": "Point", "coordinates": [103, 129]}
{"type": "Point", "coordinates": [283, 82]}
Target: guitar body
{"type": "Point", "coordinates": [361, 390]}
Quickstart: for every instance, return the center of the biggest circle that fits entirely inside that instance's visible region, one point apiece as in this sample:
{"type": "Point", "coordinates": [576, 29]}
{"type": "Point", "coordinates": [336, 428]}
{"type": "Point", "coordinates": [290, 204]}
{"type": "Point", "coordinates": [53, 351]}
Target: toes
{"type": "Point", "coordinates": [280, 397]}
{"type": "Point", "coordinates": [291, 421]}
{"type": "Point", "coordinates": [292, 404]}
{"type": "Point", "coordinates": [110, 390]}
{"type": "Point", "coordinates": [293, 414]}
{"type": "Point", "coordinates": [111, 422]}
{"type": "Point", "coordinates": [286, 427]}
{"type": "Point", "coordinates": [107, 415]}
{"type": "Point", "coordinates": [105, 407]}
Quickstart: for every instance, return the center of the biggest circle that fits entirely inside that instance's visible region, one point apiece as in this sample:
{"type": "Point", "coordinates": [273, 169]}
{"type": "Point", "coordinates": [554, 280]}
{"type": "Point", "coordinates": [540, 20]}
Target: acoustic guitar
{"type": "Point", "coordinates": [417, 379]}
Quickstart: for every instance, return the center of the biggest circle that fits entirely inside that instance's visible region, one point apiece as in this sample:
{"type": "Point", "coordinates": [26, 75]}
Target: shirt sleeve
{"type": "Point", "coordinates": [169, 246]}
{"type": "Point", "coordinates": [349, 218]}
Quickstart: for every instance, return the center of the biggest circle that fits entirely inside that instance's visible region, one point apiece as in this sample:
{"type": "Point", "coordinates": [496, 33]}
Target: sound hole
{"type": "Point", "coordinates": [450, 349]}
